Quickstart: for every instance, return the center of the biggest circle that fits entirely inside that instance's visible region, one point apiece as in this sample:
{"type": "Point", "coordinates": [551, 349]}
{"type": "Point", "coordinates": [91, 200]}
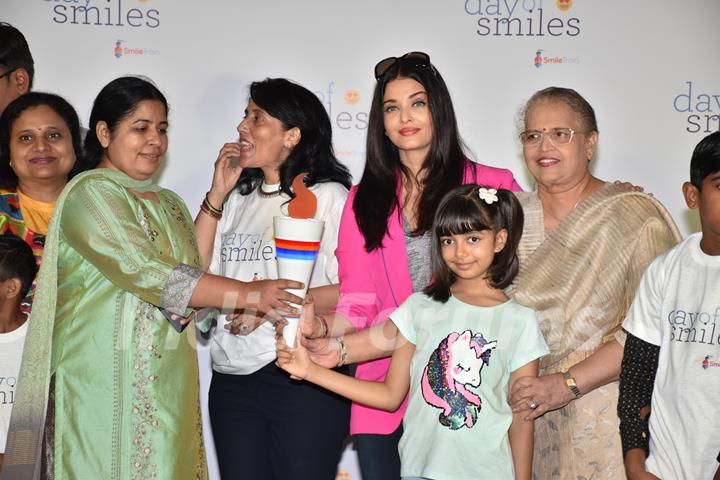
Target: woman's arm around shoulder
{"type": "Point", "coordinates": [492, 176]}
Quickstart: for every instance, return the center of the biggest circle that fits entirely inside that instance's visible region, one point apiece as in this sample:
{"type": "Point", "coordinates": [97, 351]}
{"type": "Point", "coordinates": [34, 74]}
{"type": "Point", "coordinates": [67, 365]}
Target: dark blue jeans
{"type": "Point", "coordinates": [378, 455]}
{"type": "Point", "coordinates": [268, 427]}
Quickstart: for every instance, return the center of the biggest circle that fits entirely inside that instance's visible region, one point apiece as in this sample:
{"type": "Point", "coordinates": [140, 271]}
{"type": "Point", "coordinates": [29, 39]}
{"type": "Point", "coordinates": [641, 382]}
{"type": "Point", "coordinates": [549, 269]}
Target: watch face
{"type": "Point", "coordinates": [570, 382]}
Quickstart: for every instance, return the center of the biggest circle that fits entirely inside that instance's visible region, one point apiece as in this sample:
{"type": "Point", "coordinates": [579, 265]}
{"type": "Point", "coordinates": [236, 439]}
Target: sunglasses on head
{"type": "Point", "coordinates": [414, 59]}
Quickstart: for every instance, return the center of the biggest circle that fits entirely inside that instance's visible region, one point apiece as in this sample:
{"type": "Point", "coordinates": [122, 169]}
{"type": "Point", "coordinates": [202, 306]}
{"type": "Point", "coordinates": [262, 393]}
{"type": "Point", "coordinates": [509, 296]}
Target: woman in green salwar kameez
{"type": "Point", "coordinates": [108, 387]}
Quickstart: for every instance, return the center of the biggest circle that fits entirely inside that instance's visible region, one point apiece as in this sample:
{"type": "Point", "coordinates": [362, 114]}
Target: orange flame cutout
{"type": "Point", "coordinates": [305, 202]}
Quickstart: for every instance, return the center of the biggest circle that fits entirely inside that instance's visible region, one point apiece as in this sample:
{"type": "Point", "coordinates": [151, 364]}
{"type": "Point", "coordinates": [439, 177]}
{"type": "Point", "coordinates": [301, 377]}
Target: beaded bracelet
{"type": "Point", "coordinates": [343, 352]}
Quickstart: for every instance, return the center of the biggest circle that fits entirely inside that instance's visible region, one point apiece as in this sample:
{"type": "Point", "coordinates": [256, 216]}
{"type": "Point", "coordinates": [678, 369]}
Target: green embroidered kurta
{"type": "Point", "coordinates": [126, 400]}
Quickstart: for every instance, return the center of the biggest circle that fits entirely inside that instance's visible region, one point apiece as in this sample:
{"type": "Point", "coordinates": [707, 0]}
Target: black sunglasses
{"type": "Point", "coordinates": [414, 59]}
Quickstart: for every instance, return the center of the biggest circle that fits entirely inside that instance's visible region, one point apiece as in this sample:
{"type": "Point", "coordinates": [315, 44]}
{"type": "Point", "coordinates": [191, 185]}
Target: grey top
{"type": "Point", "coordinates": [418, 252]}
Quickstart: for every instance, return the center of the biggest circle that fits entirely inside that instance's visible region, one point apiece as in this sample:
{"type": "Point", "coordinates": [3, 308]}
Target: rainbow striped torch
{"type": "Point", "coordinates": [297, 241]}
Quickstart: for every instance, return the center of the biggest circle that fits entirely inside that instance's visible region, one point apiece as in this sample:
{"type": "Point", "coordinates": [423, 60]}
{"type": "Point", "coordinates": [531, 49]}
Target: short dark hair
{"type": "Point", "coordinates": [462, 211]}
{"type": "Point", "coordinates": [14, 50]}
{"type": "Point", "coordinates": [444, 167]}
{"type": "Point", "coordinates": [116, 101]}
{"type": "Point", "coordinates": [17, 261]}
{"type": "Point", "coordinates": [8, 179]}
{"type": "Point", "coordinates": [297, 107]}
{"type": "Point", "coordinates": [705, 159]}
{"type": "Point", "coordinates": [571, 98]}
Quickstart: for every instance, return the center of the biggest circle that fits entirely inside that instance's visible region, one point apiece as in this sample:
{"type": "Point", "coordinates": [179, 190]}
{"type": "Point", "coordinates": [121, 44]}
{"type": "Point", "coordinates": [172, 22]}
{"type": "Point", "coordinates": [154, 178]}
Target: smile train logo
{"type": "Point", "coordinates": [124, 51]}
{"type": "Point", "coordinates": [544, 58]}
{"type": "Point", "coordinates": [538, 59]}
{"type": "Point", "coordinates": [118, 51]}
{"type": "Point", "coordinates": [707, 363]}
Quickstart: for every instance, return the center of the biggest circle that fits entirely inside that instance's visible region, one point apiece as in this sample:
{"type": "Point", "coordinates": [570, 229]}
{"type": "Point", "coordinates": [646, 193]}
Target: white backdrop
{"type": "Point", "coordinates": [649, 67]}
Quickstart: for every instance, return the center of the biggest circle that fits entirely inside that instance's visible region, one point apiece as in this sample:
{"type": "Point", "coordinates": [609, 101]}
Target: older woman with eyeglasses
{"type": "Point", "coordinates": [584, 247]}
{"type": "Point", "coordinates": [414, 157]}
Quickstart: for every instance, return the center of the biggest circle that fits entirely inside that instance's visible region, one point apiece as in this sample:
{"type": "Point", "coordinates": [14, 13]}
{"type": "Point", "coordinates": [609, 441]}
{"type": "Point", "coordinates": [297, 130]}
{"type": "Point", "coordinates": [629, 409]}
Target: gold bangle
{"type": "Point", "coordinates": [343, 352]}
{"type": "Point", "coordinates": [207, 211]}
{"type": "Point", "coordinates": [207, 203]}
{"type": "Point", "coordinates": [212, 209]}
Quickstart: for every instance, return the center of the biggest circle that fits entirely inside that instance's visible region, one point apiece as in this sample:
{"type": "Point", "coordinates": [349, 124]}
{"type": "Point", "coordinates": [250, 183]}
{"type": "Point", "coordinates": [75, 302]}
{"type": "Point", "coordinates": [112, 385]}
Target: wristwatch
{"type": "Point", "coordinates": [570, 382]}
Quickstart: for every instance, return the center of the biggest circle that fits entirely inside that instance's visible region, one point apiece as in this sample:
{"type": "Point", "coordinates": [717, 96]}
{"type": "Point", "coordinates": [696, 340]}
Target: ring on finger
{"type": "Point", "coordinates": [532, 404]}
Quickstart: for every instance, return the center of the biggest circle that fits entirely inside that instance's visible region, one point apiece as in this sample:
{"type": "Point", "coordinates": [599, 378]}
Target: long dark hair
{"type": "Point", "coordinates": [462, 211]}
{"type": "Point", "coordinates": [376, 198]}
{"type": "Point", "coordinates": [296, 106]}
{"type": "Point", "coordinates": [59, 105]}
{"type": "Point", "coordinates": [116, 101]}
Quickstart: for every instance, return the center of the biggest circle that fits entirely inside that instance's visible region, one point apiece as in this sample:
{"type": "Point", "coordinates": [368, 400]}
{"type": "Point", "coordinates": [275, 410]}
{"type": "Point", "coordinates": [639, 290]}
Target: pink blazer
{"type": "Point", "coordinates": [374, 284]}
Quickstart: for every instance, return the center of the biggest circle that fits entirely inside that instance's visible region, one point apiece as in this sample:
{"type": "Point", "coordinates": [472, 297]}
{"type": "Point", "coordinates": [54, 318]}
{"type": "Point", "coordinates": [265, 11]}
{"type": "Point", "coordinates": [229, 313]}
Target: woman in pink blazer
{"type": "Point", "coordinates": [414, 156]}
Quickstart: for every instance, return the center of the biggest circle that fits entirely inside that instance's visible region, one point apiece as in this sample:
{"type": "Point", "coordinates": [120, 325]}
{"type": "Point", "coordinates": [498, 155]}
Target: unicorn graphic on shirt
{"type": "Point", "coordinates": [454, 366]}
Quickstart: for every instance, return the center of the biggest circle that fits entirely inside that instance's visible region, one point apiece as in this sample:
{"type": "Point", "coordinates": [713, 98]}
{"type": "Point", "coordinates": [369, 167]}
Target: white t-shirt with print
{"type": "Point", "coordinates": [11, 349]}
{"type": "Point", "coordinates": [677, 307]}
{"type": "Point", "coordinates": [244, 249]}
{"type": "Point", "coordinates": [457, 420]}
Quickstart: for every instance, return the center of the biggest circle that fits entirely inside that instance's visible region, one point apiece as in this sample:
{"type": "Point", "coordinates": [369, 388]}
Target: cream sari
{"type": "Point", "coordinates": [581, 279]}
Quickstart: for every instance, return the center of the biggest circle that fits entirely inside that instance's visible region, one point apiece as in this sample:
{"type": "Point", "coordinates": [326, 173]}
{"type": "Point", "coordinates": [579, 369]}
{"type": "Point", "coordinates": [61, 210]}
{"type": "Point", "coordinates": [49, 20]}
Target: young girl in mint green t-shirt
{"type": "Point", "coordinates": [461, 344]}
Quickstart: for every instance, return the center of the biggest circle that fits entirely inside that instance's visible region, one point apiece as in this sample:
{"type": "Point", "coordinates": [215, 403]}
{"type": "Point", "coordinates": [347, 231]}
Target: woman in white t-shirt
{"type": "Point", "coordinates": [264, 426]}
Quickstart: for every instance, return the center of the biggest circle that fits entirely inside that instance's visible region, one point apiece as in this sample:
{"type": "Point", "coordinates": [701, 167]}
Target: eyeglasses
{"type": "Point", "coordinates": [414, 59]}
{"type": "Point", "coordinates": [8, 73]}
{"type": "Point", "coordinates": [557, 136]}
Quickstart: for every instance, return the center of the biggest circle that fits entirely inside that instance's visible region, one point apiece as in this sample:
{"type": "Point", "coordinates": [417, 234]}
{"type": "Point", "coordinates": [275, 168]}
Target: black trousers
{"type": "Point", "coordinates": [267, 426]}
{"type": "Point", "coordinates": [378, 455]}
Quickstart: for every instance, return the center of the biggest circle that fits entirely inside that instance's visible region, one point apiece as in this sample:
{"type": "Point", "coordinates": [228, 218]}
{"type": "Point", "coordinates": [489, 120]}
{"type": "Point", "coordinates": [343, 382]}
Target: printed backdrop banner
{"type": "Point", "coordinates": [648, 67]}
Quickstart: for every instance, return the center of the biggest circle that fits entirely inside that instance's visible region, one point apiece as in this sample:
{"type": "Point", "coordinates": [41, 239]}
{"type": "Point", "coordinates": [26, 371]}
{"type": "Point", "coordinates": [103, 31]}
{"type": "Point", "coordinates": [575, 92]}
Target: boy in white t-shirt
{"type": "Point", "coordinates": [672, 353]}
{"type": "Point", "coordinates": [17, 271]}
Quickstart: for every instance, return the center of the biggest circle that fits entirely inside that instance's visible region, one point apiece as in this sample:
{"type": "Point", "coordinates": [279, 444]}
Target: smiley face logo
{"type": "Point", "coordinates": [352, 97]}
{"type": "Point", "coordinates": [564, 5]}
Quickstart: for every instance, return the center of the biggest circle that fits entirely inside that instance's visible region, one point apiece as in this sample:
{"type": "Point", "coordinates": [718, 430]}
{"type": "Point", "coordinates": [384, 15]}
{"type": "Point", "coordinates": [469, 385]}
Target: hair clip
{"type": "Point", "coordinates": [488, 194]}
